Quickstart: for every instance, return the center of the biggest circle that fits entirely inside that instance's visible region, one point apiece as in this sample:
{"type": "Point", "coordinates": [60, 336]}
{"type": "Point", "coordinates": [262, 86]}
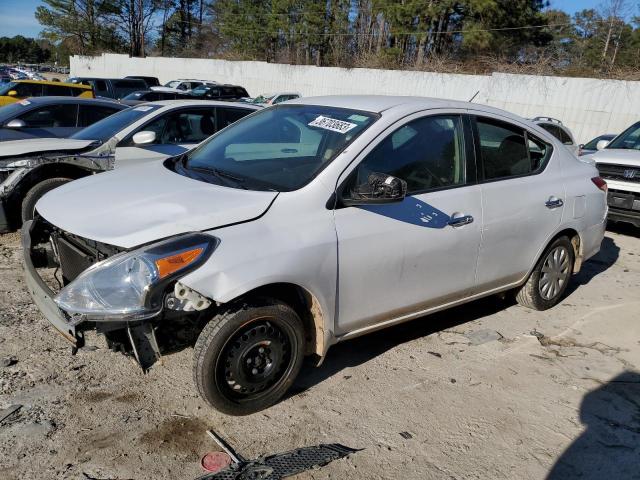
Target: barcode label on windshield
{"type": "Point", "coordinates": [332, 124]}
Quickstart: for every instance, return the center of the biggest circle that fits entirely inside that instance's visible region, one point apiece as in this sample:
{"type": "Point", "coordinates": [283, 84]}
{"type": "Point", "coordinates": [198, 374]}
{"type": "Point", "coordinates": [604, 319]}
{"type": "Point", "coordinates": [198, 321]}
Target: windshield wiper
{"type": "Point", "coordinates": [221, 175]}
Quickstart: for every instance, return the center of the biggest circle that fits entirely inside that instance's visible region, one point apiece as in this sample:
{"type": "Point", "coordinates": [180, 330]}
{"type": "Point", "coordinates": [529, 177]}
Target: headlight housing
{"type": "Point", "coordinates": [130, 286]}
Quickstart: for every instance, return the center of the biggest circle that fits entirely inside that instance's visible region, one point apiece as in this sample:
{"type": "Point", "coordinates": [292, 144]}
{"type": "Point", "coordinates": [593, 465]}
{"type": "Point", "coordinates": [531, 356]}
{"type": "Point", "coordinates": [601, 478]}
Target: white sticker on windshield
{"type": "Point", "coordinates": [332, 124]}
{"type": "Point", "coordinates": [143, 109]}
{"type": "Point", "coordinates": [24, 102]}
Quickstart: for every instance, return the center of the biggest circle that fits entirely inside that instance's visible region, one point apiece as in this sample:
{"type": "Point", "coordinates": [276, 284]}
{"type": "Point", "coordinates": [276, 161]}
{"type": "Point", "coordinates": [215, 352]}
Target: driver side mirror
{"type": "Point", "coordinates": [379, 188]}
{"type": "Point", "coordinates": [16, 123]}
{"type": "Point", "coordinates": [12, 93]}
{"type": "Point", "coordinates": [145, 137]}
{"type": "Point", "coordinates": [602, 144]}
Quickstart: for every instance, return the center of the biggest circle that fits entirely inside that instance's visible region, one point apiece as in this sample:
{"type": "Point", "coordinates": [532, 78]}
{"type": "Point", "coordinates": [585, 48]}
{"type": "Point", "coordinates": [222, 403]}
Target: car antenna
{"type": "Point", "coordinates": [474, 96]}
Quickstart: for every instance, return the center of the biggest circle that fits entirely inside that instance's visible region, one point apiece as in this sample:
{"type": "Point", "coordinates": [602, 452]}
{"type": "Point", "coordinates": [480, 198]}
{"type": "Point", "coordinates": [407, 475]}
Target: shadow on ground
{"type": "Point", "coordinates": [610, 445]}
{"type": "Point", "coordinates": [360, 350]}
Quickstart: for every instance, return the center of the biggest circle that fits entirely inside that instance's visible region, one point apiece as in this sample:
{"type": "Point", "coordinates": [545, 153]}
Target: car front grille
{"type": "Point", "coordinates": [73, 253]}
{"type": "Point", "coordinates": [619, 172]}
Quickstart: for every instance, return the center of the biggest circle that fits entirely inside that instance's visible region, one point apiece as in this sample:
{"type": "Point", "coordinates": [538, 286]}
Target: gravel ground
{"type": "Point", "coordinates": [489, 390]}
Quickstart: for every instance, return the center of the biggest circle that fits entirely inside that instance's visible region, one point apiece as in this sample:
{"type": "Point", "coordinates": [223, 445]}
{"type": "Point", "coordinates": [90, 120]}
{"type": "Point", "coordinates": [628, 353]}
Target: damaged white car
{"type": "Point", "coordinates": [310, 223]}
{"type": "Point", "coordinates": [152, 131]}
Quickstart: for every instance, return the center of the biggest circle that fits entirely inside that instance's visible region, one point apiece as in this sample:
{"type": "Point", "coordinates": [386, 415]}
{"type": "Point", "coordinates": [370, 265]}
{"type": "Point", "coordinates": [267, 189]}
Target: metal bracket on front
{"type": "Point", "coordinates": [144, 344]}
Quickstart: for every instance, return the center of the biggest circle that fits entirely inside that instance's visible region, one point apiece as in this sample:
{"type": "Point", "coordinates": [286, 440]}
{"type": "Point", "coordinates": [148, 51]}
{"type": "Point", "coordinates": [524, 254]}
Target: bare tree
{"type": "Point", "coordinates": [614, 12]}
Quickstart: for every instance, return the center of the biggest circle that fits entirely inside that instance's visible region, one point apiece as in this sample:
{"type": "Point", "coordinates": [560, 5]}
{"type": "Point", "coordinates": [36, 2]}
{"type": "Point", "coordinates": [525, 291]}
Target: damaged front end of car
{"type": "Point", "coordinates": [131, 296]}
{"type": "Point", "coordinates": [19, 172]}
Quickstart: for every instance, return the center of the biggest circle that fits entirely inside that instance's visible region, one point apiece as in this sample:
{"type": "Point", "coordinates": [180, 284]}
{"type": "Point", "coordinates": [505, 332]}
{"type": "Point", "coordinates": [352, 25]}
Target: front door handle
{"type": "Point", "coordinates": [460, 221]}
{"type": "Point", "coordinates": [554, 202]}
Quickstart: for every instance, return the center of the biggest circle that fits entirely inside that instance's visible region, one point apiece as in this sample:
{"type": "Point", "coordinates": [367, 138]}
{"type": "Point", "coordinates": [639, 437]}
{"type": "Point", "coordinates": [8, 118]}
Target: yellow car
{"type": "Point", "coordinates": [19, 89]}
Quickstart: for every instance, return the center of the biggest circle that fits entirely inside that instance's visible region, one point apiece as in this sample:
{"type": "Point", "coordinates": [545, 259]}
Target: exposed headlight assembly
{"type": "Point", "coordinates": [130, 286]}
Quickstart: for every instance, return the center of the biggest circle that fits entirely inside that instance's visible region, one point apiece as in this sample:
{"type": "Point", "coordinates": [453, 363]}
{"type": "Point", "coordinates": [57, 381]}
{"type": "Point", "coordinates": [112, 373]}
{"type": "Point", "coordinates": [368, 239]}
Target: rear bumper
{"type": "Point", "coordinates": [43, 296]}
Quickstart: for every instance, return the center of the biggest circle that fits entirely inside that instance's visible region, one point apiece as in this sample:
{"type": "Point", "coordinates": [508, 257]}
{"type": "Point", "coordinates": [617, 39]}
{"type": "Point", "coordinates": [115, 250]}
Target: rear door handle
{"type": "Point", "coordinates": [460, 221]}
{"type": "Point", "coordinates": [554, 202]}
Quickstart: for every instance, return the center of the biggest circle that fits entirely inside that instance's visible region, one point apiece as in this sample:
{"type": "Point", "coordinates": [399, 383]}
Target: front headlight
{"type": "Point", "coordinates": [130, 285]}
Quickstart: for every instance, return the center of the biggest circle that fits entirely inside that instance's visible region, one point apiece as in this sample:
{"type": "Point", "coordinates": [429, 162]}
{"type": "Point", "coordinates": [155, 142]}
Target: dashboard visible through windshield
{"type": "Point", "coordinates": [280, 148]}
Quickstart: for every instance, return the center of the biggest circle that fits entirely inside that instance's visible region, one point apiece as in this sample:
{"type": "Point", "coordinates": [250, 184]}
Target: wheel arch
{"type": "Point", "coordinates": [37, 175]}
{"type": "Point", "coordinates": [306, 305]}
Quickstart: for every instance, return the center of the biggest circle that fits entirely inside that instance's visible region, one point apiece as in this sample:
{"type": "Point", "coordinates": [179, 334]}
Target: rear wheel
{"type": "Point", "coordinates": [550, 277]}
{"type": "Point", "coordinates": [36, 192]}
{"type": "Point", "coordinates": [247, 358]}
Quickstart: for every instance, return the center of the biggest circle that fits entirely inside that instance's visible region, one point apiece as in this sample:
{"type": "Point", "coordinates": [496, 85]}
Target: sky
{"type": "Point", "coordinates": [17, 16]}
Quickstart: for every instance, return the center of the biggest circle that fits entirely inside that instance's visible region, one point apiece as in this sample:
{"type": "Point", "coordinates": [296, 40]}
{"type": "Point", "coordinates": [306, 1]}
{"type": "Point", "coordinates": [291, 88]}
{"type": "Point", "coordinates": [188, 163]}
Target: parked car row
{"type": "Point", "coordinates": [43, 117]}
{"type": "Point", "coordinates": [152, 131]}
{"type": "Point", "coordinates": [13, 91]}
{"type": "Point", "coordinates": [250, 242]}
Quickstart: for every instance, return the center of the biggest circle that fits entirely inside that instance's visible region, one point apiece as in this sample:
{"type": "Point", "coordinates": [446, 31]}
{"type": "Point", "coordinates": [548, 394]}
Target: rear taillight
{"type": "Point", "coordinates": [600, 183]}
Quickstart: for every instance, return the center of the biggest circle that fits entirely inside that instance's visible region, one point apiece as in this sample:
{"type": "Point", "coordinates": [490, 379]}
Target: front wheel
{"type": "Point", "coordinates": [550, 277]}
{"type": "Point", "coordinates": [247, 358]}
{"type": "Point", "coordinates": [36, 192]}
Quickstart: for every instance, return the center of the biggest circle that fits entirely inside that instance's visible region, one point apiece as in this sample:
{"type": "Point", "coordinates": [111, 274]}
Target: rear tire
{"type": "Point", "coordinates": [36, 192]}
{"type": "Point", "coordinates": [549, 279]}
{"type": "Point", "coordinates": [246, 358]}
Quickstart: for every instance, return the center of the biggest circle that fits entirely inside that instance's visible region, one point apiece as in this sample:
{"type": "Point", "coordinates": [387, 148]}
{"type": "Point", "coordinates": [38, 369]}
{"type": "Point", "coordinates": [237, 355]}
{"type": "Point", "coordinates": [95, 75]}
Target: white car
{"type": "Point", "coordinates": [309, 223]}
{"type": "Point", "coordinates": [275, 98]}
{"type": "Point", "coordinates": [618, 161]}
{"type": "Point", "coordinates": [185, 84]}
{"type": "Point", "coordinates": [560, 131]}
{"type": "Point", "coordinates": [150, 131]}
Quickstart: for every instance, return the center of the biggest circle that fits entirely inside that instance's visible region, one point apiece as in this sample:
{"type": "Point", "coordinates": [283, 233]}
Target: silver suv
{"type": "Point", "coordinates": [558, 130]}
{"type": "Point", "coordinates": [310, 223]}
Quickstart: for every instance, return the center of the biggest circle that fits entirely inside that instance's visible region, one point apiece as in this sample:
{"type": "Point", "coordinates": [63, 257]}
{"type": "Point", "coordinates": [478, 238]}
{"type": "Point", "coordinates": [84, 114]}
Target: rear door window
{"type": "Point", "coordinates": [552, 129]}
{"type": "Point", "coordinates": [28, 90]}
{"type": "Point", "coordinates": [90, 114]}
{"type": "Point", "coordinates": [509, 151]}
{"type": "Point", "coordinates": [57, 90]}
{"type": "Point", "coordinates": [227, 116]}
{"type": "Point", "coordinates": [564, 137]}
{"type": "Point", "coordinates": [53, 116]}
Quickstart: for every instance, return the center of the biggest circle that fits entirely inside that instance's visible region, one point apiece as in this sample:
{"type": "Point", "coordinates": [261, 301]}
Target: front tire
{"type": "Point", "coordinates": [246, 358]}
{"type": "Point", "coordinates": [550, 277]}
{"type": "Point", "coordinates": [36, 192]}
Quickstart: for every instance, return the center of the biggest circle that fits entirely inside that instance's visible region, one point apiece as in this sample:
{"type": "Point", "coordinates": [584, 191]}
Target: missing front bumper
{"type": "Point", "coordinates": [43, 296]}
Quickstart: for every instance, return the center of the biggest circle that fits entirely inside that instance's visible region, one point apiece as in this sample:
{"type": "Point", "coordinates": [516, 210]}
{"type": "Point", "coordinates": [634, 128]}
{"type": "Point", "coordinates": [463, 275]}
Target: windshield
{"type": "Point", "coordinates": [172, 83]}
{"type": "Point", "coordinates": [107, 128]}
{"type": "Point", "coordinates": [11, 110]}
{"type": "Point", "coordinates": [628, 140]}
{"type": "Point", "coordinates": [6, 88]}
{"type": "Point", "coordinates": [279, 148]}
{"type": "Point", "coordinates": [134, 96]}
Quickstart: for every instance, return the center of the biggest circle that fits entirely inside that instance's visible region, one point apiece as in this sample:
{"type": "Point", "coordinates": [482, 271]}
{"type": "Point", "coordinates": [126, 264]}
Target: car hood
{"type": "Point", "coordinates": [17, 148]}
{"type": "Point", "coordinates": [140, 204]}
{"type": "Point", "coordinates": [617, 156]}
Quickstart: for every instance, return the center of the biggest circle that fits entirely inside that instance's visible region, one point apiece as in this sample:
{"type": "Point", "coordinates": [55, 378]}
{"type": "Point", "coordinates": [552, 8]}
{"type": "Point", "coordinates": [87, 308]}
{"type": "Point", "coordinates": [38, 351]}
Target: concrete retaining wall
{"type": "Point", "coordinates": [589, 107]}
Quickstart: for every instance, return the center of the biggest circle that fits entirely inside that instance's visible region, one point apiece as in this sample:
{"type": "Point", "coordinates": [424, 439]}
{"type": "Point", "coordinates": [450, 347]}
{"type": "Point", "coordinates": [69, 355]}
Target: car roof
{"type": "Point", "coordinates": [57, 100]}
{"type": "Point", "coordinates": [205, 103]}
{"type": "Point", "coordinates": [381, 103]}
{"type": "Point", "coordinates": [47, 82]}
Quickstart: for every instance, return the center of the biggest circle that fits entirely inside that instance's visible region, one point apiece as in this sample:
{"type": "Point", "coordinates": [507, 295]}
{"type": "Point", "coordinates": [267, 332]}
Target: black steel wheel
{"type": "Point", "coordinates": [247, 357]}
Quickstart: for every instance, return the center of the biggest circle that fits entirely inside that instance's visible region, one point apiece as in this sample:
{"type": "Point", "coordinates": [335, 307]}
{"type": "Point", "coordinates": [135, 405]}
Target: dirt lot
{"type": "Point", "coordinates": [489, 390]}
